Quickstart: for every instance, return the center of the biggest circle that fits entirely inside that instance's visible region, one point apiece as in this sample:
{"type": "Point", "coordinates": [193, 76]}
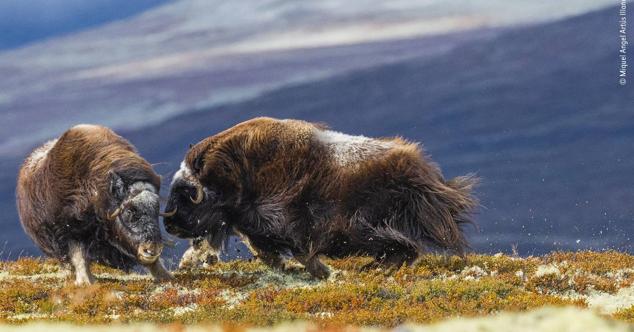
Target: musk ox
{"type": "Point", "coordinates": [292, 188]}
{"type": "Point", "coordinates": [88, 196]}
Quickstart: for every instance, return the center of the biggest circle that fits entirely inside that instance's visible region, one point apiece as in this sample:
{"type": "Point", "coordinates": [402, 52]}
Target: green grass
{"type": "Point", "coordinates": [243, 293]}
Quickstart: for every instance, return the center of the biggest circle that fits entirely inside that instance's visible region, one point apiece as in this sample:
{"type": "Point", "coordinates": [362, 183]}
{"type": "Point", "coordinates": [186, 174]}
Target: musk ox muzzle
{"type": "Point", "coordinates": [149, 252]}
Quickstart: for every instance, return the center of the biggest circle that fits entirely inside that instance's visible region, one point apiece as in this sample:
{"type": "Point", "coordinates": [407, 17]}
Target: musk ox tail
{"type": "Point", "coordinates": [428, 214]}
{"type": "Point", "coordinates": [444, 209]}
{"type": "Point", "coordinates": [403, 206]}
{"type": "Point", "coordinates": [460, 198]}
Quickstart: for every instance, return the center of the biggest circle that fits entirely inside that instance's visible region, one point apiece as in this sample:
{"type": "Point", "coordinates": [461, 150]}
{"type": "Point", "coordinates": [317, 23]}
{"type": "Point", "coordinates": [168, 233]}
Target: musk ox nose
{"type": "Point", "coordinates": [149, 252]}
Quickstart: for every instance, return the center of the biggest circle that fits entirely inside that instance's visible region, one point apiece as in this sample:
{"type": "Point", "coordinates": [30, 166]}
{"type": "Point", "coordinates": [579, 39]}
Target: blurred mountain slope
{"type": "Point", "coordinates": [194, 53]}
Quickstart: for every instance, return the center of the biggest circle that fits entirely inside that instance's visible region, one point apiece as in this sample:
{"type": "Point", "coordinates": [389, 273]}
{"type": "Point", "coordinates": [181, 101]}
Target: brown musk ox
{"type": "Point", "coordinates": [89, 197]}
{"type": "Point", "coordinates": [292, 188]}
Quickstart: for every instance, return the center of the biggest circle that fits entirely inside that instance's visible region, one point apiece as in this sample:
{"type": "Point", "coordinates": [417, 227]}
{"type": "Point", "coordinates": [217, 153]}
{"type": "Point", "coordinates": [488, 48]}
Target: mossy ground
{"type": "Point", "coordinates": [248, 293]}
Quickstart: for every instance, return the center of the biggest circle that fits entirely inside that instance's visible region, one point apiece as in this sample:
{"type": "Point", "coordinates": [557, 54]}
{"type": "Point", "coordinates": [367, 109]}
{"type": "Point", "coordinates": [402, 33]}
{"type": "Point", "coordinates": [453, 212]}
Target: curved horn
{"type": "Point", "coordinates": [169, 214]}
{"type": "Point", "coordinates": [199, 195]}
{"type": "Point", "coordinates": [114, 214]}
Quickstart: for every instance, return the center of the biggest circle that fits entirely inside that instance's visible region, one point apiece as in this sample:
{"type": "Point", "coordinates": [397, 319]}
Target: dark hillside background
{"type": "Point", "coordinates": [535, 111]}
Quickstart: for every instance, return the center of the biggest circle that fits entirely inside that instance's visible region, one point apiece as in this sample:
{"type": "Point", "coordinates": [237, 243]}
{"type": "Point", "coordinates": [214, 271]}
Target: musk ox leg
{"type": "Point", "coordinates": [80, 263]}
{"type": "Point", "coordinates": [314, 266]}
{"type": "Point", "coordinates": [270, 258]}
{"type": "Point", "coordinates": [275, 261]}
{"type": "Point", "coordinates": [159, 272]}
{"type": "Point", "coordinates": [200, 254]}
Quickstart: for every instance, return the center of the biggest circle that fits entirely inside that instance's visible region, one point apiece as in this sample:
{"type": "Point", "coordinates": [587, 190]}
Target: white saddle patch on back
{"type": "Point", "coordinates": [84, 126]}
{"type": "Point", "coordinates": [348, 149]}
{"type": "Point", "coordinates": [40, 153]}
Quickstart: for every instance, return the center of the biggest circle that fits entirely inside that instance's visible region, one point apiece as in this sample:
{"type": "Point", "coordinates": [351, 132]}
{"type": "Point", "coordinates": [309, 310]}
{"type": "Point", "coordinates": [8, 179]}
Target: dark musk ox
{"type": "Point", "coordinates": [292, 188]}
{"type": "Point", "coordinates": [88, 196]}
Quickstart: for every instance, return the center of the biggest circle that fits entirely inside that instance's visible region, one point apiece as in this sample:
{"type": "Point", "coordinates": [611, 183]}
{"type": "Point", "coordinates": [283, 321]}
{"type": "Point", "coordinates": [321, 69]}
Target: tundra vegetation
{"type": "Point", "coordinates": [247, 293]}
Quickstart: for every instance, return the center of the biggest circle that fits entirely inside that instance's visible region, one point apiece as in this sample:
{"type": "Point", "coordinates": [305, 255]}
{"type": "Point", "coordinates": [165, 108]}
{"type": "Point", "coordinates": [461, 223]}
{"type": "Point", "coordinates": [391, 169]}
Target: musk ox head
{"type": "Point", "coordinates": [197, 207]}
{"type": "Point", "coordinates": [133, 217]}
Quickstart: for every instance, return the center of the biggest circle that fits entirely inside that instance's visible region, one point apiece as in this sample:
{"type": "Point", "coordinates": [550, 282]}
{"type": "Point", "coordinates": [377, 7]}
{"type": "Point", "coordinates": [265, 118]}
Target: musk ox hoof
{"type": "Point", "coordinates": [159, 272]}
{"type": "Point", "coordinates": [163, 277]}
{"type": "Point", "coordinates": [373, 265]}
{"type": "Point", "coordinates": [292, 267]}
{"type": "Point", "coordinates": [84, 280]}
{"type": "Point", "coordinates": [318, 270]}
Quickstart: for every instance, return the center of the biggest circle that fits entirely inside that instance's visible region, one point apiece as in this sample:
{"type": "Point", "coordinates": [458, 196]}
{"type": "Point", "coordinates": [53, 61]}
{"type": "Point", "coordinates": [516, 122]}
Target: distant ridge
{"type": "Point", "coordinates": [536, 112]}
{"type": "Point", "coordinates": [189, 54]}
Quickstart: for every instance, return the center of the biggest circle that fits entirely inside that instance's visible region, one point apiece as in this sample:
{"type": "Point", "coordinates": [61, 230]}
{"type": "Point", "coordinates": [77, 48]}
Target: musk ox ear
{"type": "Point", "coordinates": [116, 187]}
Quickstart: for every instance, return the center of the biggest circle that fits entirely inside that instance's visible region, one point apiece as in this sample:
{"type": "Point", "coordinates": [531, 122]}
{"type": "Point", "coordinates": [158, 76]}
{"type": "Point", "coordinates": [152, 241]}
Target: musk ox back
{"type": "Point", "coordinates": [88, 196]}
{"type": "Point", "coordinates": [294, 188]}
